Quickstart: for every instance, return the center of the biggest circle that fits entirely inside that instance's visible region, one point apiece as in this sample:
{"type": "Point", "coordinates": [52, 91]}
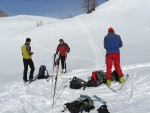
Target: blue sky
{"type": "Point", "coordinates": [51, 8]}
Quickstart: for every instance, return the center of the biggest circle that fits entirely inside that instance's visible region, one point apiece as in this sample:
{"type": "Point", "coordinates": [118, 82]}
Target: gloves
{"type": "Point", "coordinates": [31, 53]}
{"type": "Point", "coordinates": [55, 55]}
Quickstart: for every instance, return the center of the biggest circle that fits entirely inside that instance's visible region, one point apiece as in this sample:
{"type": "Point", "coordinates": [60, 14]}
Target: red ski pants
{"type": "Point", "coordinates": [113, 58]}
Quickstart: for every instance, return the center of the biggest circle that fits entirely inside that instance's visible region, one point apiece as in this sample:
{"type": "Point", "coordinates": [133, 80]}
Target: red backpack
{"type": "Point", "coordinates": [99, 76]}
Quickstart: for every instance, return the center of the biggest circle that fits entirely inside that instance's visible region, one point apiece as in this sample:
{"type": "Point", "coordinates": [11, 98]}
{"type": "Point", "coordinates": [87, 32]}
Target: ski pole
{"type": "Point", "coordinates": [65, 61]}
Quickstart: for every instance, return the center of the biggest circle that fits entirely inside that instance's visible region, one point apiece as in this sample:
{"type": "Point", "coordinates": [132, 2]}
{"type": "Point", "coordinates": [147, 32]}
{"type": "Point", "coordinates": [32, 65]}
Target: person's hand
{"type": "Point", "coordinates": [31, 53]}
{"type": "Point", "coordinates": [55, 55]}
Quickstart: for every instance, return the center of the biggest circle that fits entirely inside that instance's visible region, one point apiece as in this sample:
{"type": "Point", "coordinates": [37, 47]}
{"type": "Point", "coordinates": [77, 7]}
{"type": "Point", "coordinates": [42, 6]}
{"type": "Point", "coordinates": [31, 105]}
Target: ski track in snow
{"type": "Point", "coordinates": [98, 55]}
{"type": "Point", "coordinates": [15, 97]}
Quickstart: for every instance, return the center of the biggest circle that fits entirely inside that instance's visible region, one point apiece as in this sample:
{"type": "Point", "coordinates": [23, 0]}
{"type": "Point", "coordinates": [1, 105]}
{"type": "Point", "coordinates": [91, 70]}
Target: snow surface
{"type": "Point", "coordinates": [84, 34]}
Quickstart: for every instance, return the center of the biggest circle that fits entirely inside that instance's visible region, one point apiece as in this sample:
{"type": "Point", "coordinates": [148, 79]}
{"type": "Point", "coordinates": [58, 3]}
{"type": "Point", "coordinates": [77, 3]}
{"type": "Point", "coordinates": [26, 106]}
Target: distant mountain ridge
{"type": "Point", "coordinates": [3, 14]}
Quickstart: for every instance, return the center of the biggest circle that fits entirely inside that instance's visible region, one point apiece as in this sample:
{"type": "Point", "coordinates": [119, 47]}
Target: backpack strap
{"type": "Point", "coordinates": [84, 85]}
{"type": "Point", "coordinates": [65, 108]}
{"type": "Point", "coordinates": [47, 72]}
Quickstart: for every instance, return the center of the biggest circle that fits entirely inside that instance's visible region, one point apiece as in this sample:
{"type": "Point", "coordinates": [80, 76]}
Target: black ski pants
{"type": "Point", "coordinates": [63, 61]}
{"type": "Point", "coordinates": [28, 62]}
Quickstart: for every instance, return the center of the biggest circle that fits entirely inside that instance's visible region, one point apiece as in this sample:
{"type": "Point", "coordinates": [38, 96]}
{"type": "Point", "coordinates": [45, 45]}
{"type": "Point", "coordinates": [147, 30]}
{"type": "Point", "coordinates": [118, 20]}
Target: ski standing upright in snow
{"type": "Point", "coordinates": [54, 58]}
{"type": "Point", "coordinates": [56, 65]}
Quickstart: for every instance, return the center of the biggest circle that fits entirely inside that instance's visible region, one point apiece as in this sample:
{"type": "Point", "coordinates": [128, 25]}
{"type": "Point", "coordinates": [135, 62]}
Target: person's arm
{"type": "Point", "coordinates": [68, 48]}
{"type": "Point", "coordinates": [105, 42]}
{"type": "Point", "coordinates": [28, 48]}
{"type": "Point", "coordinates": [120, 42]}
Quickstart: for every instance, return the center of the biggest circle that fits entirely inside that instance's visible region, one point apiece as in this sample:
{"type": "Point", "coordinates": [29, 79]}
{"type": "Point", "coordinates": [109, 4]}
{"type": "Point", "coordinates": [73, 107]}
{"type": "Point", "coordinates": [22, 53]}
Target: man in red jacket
{"type": "Point", "coordinates": [63, 49]}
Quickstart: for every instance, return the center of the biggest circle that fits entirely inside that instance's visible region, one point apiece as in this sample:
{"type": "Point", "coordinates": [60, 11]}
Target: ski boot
{"type": "Point", "coordinates": [64, 71]}
{"type": "Point", "coordinates": [108, 82]}
{"type": "Point", "coordinates": [31, 80]}
{"type": "Point", "coordinates": [25, 81]}
{"type": "Point", "coordinates": [121, 79]}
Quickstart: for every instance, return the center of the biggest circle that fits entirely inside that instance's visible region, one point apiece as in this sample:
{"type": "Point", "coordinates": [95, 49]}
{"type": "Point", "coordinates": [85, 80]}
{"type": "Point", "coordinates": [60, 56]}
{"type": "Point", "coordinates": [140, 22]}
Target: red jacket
{"type": "Point", "coordinates": [62, 49]}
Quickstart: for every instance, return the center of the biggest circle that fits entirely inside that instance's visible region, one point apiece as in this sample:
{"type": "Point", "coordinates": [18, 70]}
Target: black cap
{"type": "Point", "coordinates": [28, 40]}
{"type": "Point", "coordinates": [61, 40]}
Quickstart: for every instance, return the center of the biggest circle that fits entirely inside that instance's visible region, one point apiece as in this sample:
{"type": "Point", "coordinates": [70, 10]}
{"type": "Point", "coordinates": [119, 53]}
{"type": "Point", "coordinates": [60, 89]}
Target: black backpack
{"type": "Point", "coordinates": [77, 83]}
{"type": "Point", "coordinates": [42, 74]}
{"type": "Point", "coordinates": [84, 103]}
{"type": "Point", "coordinates": [103, 109]}
{"type": "Point", "coordinates": [73, 107]}
{"type": "Point", "coordinates": [115, 76]}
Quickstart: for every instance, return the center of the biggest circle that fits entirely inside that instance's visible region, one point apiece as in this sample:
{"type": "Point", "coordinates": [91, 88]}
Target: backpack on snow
{"type": "Point", "coordinates": [98, 77]}
{"type": "Point", "coordinates": [103, 109]}
{"type": "Point", "coordinates": [42, 74]}
{"type": "Point", "coordinates": [84, 103]}
{"type": "Point", "coordinates": [77, 83]}
{"type": "Point", "coordinates": [115, 76]}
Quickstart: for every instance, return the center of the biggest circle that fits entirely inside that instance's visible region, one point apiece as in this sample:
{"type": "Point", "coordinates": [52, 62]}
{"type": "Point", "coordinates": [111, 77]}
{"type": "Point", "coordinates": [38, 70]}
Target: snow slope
{"type": "Point", "coordinates": [84, 34]}
{"type": "Point", "coordinates": [21, 23]}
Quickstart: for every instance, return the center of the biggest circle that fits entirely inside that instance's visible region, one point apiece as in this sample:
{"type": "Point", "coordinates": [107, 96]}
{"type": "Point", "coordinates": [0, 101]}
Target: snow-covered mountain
{"type": "Point", "coordinates": [84, 34]}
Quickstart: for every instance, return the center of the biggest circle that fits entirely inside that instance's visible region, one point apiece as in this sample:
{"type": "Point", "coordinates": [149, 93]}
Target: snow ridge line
{"type": "Point", "coordinates": [15, 35]}
{"type": "Point", "coordinates": [30, 29]}
{"type": "Point", "coordinates": [97, 53]}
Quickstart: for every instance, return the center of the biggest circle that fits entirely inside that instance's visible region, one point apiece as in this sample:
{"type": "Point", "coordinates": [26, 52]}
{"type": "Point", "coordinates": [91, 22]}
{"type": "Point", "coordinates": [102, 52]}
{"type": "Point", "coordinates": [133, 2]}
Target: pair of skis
{"type": "Point", "coordinates": [120, 87]}
{"type": "Point", "coordinates": [55, 65]}
{"type": "Point", "coordinates": [56, 60]}
{"type": "Point", "coordinates": [112, 89]}
{"type": "Point", "coordinates": [29, 82]}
